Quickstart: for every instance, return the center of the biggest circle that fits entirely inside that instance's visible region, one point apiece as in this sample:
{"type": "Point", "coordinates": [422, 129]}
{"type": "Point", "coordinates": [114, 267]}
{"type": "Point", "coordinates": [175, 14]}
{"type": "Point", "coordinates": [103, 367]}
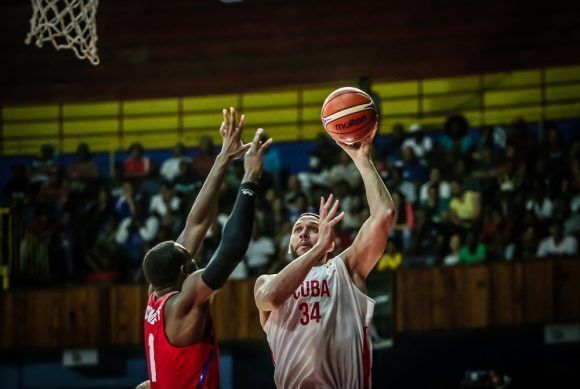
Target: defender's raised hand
{"type": "Point", "coordinates": [232, 145]}
{"type": "Point", "coordinates": [254, 158]}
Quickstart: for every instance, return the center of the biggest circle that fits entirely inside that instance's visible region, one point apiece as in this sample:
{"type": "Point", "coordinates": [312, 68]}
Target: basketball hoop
{"type": "Point", "coordinates": [68, 24]}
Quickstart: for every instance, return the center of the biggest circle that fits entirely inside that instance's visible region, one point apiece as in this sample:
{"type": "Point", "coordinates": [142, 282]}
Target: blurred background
{"type": "Point", "coordinates": [479, 286]}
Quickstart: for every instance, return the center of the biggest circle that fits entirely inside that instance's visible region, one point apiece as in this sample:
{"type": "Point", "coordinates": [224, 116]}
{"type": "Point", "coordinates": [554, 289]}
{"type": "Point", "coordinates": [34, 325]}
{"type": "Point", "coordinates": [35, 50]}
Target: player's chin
{"type": "Point", "coordinates": [300, 250]}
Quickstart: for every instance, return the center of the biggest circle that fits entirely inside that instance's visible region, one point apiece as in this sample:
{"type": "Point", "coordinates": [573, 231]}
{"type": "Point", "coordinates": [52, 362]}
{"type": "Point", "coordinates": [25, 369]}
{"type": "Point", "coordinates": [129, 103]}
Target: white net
{"type": "Point", "coordinates": [68, 24]}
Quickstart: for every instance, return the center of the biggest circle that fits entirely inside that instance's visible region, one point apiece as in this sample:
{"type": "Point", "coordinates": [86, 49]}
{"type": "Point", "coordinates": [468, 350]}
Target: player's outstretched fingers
{"type": "Point", "coordinates": [256, 140]}
{"type": "Point", "coordinates": [223, 129]}
{"type": "Point", "coordinates": [327, 205]}
{"type": "Point", "coordinates": [332, 212]}
{"type": "Point", "coordinates": [336, 219]}
{"type": "Point", "coordinates": [226, 120]}
{"type": "Point", "coordinates": [240, 126]}
{"type": "Point", "coordinates": [264, 146]}
{"type": "Point", "coordinates": [232, 119]}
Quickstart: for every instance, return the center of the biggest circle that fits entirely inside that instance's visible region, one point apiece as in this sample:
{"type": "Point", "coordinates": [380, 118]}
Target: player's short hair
{"type": "Point", "coordinates": [163, 263]}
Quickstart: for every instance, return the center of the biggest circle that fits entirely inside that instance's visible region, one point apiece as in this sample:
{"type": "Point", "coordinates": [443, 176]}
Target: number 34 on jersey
{"type": "Point", "coordinates": [311, 310]}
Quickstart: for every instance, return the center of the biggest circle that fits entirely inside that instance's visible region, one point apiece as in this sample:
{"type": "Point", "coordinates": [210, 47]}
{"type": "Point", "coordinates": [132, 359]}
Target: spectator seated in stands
{"type": "Point", "coordinates": [412, 169]}
{"type": "Point", "coordinates": [452, 257]}
{"type": "Point", "coordinates": [391, 258]}
{"type": "Point", "coordinates": [392, 146]}
{"type": "Point", "coordinates": [406, 188]}
{"type": "Point", "coordinates": [83, 170]}
{"type": "Point", "coordinates": [524, 143]}
{"type": "Point", "coordinates": [261, 251]}
{"type": "Point", "coordinates": [557, 244]}
{"type": "Point", "coordinates": [540, 203]}
{"type": "Point", "coordinates": [17, 190]}
{"type": "Point", "coordinates": [355, 215]}
{"type": "Point", "coordinates": [492, 137]}
{"type": "Point", "coordinates": [316, 176]}
{"type": "Point", "coordinates": [426, 242]}
{"type": "Point", "coordinates": [465, 206]}
{"type": "Point", "coordinates": [298, 206]}
{"type": "Point", "coordinates": [137, 165]}
{"type": "Point", "coordinates": [205, 157]}
{"type": "Point", "coordinates": [186, 182]}
{"type": "Point", "coordinates": [455, 142]}
{"type": "Point", "coordinates": [344, 170]}
{"type": "Point", "coordinates": [44, 165]}
{"type": "Point", "coordinates": [293, 189]}
{"type": "Point", "coordinates": [401, 230]}
{"type": "Point", "coordinates": [134, 235]}
{"type": "Point", "coordinates": [272, 166]}
{"type": "Point", "coordinates": [421, 144]}
{"type": "Point", "coordinates": [443, 187]}
{"type": "Point", "coordinates": [54, 191]}
{"type": "Point", "coordinates": [324, 151]}
{"type": "Point", "coordinates": [496, 233]}
{"type": "Point", "coordinates": [572, 223]}
{"type": "Point", "coordinates": [437, 209]}
{"type": "Point", "coordinates": [171, 167]}
{"type": "Point", "coordinates": [166, 204]}
{"type": "Point", "coordinates": [473, 251]}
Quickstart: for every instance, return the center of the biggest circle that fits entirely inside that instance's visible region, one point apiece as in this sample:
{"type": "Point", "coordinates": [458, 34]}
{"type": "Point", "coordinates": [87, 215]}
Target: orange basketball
{"type": "Point", "coordinates": [349, 115]}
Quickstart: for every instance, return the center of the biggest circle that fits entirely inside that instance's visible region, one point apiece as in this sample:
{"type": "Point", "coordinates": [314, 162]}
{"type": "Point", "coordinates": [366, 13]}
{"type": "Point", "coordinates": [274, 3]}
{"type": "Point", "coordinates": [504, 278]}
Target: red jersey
{"type": "Point", "coordinates": [195, 366]}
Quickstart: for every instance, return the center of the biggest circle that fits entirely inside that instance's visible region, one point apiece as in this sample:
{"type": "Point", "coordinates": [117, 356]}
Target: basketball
{"type": "Point", "coordinates": [349, 115]}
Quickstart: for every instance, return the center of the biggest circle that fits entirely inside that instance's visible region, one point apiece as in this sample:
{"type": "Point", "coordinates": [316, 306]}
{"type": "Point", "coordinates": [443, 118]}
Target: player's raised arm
{"type": "Point", "coordinates": [200, 216]}
{"type": "Point", "coordinates": [199, 286]}
{"type": "Point", "coordinates": [271, 291]}
{"type": "Point", "coordinates": [370, 242]}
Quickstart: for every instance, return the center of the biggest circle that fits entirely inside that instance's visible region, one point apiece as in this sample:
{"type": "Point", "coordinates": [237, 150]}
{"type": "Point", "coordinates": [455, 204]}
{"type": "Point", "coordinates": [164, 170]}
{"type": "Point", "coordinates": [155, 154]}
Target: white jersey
{"type": "Point", "coordinates": [319, 337]}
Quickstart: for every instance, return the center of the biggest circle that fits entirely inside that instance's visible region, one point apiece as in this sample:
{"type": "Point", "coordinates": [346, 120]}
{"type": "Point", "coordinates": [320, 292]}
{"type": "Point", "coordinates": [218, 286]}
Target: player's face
{"type": "Point", "coordinates": [304, 235]}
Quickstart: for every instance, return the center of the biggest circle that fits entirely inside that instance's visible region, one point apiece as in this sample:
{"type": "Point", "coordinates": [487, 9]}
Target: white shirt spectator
{"type": "Point", "coordinates": [171, 167]}
{"type": "Point", "coordinates": [157, 205]}
{"type": "Point", "coordinates": [148, 231]}
{"type": "Point", "coordinates": [444, 191]}
{"type": "Point", "coordinates": [260, 251]}
{"type": "Point", "coordinates": [543, 210]}
{"type": "Point", "coordinates": [240, 272]}
{"type": "Point", "coordinates": [548, 246]}
{"type": "Point", "coordinates": [451, 259]}
{"type": "Point", "coordinates": [421, 148]}
{"type": "Point", "coordinates": [409, 191]}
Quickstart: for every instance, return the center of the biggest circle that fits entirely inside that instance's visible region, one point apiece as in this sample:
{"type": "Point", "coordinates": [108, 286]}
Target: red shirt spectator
{"type": "Point", "coordinates": [137, 165]}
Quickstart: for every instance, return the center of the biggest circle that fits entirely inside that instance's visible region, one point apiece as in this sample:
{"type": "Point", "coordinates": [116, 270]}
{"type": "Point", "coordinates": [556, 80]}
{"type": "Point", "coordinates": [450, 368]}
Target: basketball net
{"type": "Point", "coordinates": [68, 24]}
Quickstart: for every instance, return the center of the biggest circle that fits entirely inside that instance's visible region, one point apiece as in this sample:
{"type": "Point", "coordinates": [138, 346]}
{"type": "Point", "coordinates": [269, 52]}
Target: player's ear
{"type": "Point", "coordinates": [331, 247]}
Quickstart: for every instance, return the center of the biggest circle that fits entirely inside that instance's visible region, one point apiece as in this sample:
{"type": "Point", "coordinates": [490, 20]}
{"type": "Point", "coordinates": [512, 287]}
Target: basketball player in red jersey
{"type": "Point", "coordinates": [180, 341]}
{"type": "Point", "coordinates": [315, 312]}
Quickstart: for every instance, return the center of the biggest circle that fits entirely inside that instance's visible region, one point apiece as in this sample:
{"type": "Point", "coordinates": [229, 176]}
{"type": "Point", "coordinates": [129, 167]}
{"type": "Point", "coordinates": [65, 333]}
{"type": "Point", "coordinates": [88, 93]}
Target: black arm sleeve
{"type": "Point", "coordinates": [235, 238]}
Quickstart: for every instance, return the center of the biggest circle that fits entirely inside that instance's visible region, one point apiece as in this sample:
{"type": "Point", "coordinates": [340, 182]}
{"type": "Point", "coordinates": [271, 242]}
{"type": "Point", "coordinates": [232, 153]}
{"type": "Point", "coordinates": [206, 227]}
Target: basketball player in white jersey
{"type": "Point", "coordinates": [315, 312]}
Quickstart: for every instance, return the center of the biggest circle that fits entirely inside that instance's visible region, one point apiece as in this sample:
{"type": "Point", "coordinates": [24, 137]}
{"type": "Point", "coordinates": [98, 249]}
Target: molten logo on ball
{"type": "Point", "coordinates": [351, 122]}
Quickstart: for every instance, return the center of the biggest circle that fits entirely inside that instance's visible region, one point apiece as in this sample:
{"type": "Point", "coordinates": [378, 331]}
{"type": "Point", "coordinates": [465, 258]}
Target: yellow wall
{"type": "Point", "coordinates": [289, 114]}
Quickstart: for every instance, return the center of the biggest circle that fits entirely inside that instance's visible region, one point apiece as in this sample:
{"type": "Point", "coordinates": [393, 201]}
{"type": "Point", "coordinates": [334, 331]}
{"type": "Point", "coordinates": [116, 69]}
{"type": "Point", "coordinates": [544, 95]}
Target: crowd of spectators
{"type": "Point", "coordinates": [462, 195]}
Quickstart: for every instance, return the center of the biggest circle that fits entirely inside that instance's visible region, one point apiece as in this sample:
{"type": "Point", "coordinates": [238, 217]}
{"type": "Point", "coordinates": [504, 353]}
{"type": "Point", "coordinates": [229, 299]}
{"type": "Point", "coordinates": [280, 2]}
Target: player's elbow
{"type": "Point", "coordinates": [386, 218]}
